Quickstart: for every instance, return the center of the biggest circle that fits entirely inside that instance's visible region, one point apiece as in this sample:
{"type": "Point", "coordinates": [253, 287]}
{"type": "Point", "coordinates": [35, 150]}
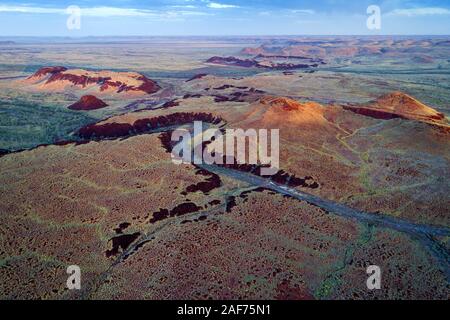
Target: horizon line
{"type": "Point", "coordinates": [230, 35]}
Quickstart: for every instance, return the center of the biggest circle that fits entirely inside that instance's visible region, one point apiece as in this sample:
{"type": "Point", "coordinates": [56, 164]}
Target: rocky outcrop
{"type": "Point", "coordinates": [281, 111]}
{"type": "Point", "coordinates": [253, 63]}
{"type": "Point", "coordinates": [399, 105]}
{"type": "Point", "coordinates": [58, 78]}
{"type": "Point", "coordinates": [88, 102]}
{"type": "Point", "coordinates": [232, 61]}
{"type": "Point", "coordinates": [250, 95]}
{"type": "Point", "coordinates": [117, 130]}
{"type": "Point", "coordinates": [43, 72]}
{"type": "Point", "coordinates": [197, 76]}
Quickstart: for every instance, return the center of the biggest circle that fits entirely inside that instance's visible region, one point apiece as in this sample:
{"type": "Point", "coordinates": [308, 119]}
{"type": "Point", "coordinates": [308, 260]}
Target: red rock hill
{"type": "Point", "coordinates": [88, 102]}
{"type": "Point", "coordinates": [60, 78]}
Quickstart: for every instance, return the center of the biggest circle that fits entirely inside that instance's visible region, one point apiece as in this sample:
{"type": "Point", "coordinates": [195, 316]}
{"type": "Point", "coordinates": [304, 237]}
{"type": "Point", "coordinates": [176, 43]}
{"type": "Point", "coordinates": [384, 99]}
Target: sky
{"type": "Point", "coordinates": [222, 17]}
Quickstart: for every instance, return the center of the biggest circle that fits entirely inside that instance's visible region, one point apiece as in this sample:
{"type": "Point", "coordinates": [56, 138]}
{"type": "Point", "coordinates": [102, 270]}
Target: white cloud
{"type": "Point", "coordinates": [303, 11]}
{"type": "Point", "coordinates": [115, 12]}
{"type": "Point", "coordinates": [419, 12]}
{"type": "Point", "coordinates": [27, 9]}
{"type": "Point", "coordinates": [215, 5]}
{"type": "Point", "coordinates": [184, 7]}
{"type": "Point", "coordinates": [104, 11]}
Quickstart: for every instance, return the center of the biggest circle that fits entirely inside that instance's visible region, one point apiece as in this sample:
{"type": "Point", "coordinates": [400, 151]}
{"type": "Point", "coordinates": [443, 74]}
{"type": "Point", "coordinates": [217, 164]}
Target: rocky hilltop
{"type": "Point", "coordinates": [88, 102]}
{"type": "Point", "coordinates": [400, 105]}
{"type": "Point", "coordinates": [59, 78]}
{"type": "Point", "coordinates": [284, 111]}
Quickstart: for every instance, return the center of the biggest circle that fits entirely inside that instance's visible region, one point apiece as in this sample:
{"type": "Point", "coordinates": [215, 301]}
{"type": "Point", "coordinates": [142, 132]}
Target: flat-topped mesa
{"type": "Point", "coordinates": [232, 61]}
{"type": "Point", "coordinates": [252, 63]}
{"type": "Point", "coordinates": [88, 102]}
{"type": "Point", "coordinates": [400, 105]}
{"type": "Point", "coordinates": [58, 78]}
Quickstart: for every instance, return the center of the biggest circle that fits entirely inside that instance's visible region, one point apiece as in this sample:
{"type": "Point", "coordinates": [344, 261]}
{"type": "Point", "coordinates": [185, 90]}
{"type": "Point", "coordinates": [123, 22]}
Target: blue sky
{"type": "Point", "coordinates": [222, 17]}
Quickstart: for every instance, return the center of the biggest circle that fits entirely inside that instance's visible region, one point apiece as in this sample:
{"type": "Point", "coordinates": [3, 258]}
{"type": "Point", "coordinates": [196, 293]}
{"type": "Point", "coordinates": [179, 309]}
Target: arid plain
{"type": "Point", "coordinates": [86, 176]}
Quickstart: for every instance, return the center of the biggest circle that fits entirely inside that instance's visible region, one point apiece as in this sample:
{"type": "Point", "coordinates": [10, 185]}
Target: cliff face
{"type": "Point", "coordinates": [140, 126]}
{"type": "Point", "coordinates": [58, 78]}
